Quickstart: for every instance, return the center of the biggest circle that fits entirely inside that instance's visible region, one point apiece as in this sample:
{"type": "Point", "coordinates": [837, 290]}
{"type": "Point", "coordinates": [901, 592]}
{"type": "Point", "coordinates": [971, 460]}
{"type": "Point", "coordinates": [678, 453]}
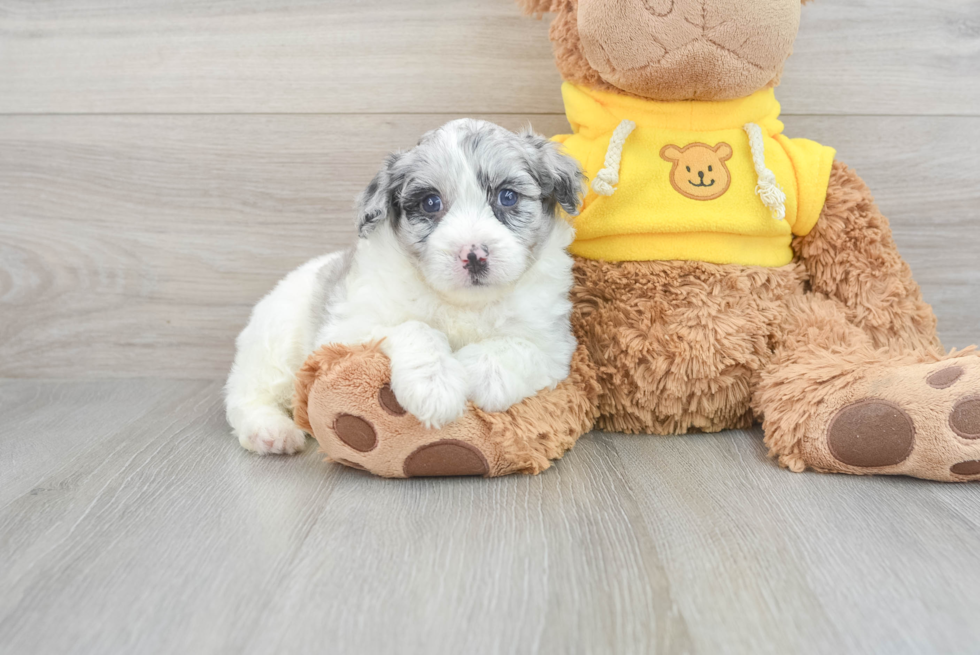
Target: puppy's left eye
{"type": "Point", "coordinates": [507, 197]}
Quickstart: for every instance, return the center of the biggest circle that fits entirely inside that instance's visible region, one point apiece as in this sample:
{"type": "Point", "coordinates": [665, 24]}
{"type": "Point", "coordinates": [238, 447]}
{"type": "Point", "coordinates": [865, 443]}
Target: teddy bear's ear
{"type": "Point", "coordinates": [724, 151]}
{"type": "Point", "coordinates": [670, 153]}
{"type": "Point", "coordinates": [538, 7]}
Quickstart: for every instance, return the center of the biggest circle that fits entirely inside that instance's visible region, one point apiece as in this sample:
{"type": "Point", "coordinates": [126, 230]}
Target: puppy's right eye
{"type": "Point", "coordinates": [432, 204]}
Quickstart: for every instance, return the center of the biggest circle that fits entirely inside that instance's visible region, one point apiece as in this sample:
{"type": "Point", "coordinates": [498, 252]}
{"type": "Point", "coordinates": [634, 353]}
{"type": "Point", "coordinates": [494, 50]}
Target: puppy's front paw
{"type": "Point", "coordinates": [434, 392]}
{"type": "Point", "coordinates": [273, 435]}
{"type": "Point", "coordinates": [490, 386]}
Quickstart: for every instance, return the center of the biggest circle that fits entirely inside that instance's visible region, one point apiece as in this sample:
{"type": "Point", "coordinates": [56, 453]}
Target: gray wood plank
{"type": "Point", "coordinates": [274, 56]}
{"type": "Point", "coordinates": [885, 57]}
{"type": "Point", "coordinates": [825, 563]}
{"type": "Point", "coordinates": [452, 56]}
{"type": "Point", "coordinates": [151, 531]}
{"type": "Point", "coordinates": [136, 245]}
{"type": "Point", "coordinates": [47, 426]}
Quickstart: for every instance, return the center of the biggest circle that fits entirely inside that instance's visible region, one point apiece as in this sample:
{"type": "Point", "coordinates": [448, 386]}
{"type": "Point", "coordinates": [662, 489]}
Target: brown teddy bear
{"type": "Point", "coordinates": [724, 274]}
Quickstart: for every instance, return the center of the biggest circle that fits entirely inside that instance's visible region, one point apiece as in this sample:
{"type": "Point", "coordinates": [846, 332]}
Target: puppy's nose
{"type": "Point", "coordinates": [474, 252]}
{"type": "Point", "coordinates": [701, 174]}
{"type": "Point", "coordinates": [475, 258]}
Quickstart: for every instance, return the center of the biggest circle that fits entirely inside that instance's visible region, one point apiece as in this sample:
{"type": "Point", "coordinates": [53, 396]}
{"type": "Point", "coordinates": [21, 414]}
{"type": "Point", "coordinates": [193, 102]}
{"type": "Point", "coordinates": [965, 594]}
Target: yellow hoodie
{"type": "Point", "coordinates": [706, 181]}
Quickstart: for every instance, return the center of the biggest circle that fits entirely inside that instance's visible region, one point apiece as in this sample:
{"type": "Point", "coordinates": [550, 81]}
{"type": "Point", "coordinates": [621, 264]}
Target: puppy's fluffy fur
{"type": "Point", "coordinates": [460, 268]}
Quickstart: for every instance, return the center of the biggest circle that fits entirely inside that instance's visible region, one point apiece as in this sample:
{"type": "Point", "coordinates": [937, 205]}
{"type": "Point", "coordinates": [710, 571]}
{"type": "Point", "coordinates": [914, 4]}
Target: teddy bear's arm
{"type": "Point", "coordinates": [850, 257]}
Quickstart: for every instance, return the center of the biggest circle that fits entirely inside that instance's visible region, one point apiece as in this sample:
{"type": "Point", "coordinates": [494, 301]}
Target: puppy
{"type": "Point", "coordinates": [460, 270]}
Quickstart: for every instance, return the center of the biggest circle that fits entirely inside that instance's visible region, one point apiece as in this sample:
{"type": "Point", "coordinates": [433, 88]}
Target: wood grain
{"type": "Point", "coordinates": [153, 532]}
{"type": "Point", "coordinates": [268, 56]}
{"type": "Point", "coordinates": [136, 246]}
{"type": "Point", "coordinates": [871, 57]}
{"type": "Point", "coordinates": [431, 56]}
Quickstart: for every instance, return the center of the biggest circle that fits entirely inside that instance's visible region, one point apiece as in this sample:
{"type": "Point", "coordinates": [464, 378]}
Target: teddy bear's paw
{"type": "Point", "coordinates": [378, 435]}
{"type": "Point", "coordinates": [359, 422]}
{"type": "Point", "coordinates": [921, 420]}
{"type": "Point", "coordinates": [344, 398]}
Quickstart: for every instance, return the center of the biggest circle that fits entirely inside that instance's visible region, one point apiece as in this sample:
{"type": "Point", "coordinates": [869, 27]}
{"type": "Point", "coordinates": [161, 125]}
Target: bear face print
{"type": "Point", "coordinates": [699, 170]}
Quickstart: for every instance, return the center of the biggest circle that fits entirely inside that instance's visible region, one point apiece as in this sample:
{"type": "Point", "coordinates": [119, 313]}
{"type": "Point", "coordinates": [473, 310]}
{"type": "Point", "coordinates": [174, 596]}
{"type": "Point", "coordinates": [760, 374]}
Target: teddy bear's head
{"type": "Point", "coordinates": [672, 49]}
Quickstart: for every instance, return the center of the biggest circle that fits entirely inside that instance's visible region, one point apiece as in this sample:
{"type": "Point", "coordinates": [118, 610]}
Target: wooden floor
{"type": "Point", "coordinates": [132, 523]}
{"type": "Point", "coordinates": [163, 164]}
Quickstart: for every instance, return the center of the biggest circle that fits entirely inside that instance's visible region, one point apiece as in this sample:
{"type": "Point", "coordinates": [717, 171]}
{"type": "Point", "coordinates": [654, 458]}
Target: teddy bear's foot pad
{"type": "Point", "coordinates": [871, 433]}
{"type": "Point", "coordinates": [965, 419]}
{"type": "Point", "coordinates": [387, 399]}
{"type": "Point", "coordinates": [355, 432]}
{"type": "Point", "coordinates": [921, 420]}
{"type": "Point", "coordinates": [966, 468]}
{"type": "Point", "coordinates": [445, 457]}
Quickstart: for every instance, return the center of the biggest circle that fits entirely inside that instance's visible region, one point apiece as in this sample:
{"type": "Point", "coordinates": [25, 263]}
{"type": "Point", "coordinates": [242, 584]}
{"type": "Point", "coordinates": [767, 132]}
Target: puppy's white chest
{"type": "Point", "coordinates": [466, 327]}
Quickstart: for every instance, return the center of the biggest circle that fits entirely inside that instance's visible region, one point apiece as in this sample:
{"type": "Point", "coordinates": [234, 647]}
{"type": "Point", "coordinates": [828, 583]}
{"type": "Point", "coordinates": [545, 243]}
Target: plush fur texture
{"type": "Point", "coordinates": [677, 346]}
{"type": "Point", "coordinates": [460, 274]}
{"type": "Point", "coordinates": [850, 256]}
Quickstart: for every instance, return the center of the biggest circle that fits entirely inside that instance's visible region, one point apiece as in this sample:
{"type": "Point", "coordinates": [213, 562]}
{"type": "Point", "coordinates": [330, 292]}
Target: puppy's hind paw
{"type": "Point", "coordinates": [277, 436]}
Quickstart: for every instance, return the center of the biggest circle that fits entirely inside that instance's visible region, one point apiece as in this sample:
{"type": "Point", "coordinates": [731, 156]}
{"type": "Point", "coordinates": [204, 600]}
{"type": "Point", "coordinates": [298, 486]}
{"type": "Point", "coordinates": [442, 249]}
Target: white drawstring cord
{"type": "Point", "coordinates": [609, 175]}
{"type": "Point", "coordinates": [772, 194]}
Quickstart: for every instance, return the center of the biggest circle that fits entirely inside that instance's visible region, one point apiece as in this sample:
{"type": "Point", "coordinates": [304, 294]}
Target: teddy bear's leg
{"type": "Point", "coordinates": [859, 382]}
{"type": "Point", "coordinates": [833, 401]}
{"type": "Point", "coordinates": [850, 257]}
{"type": "Point", "coordinates": [344, 399]}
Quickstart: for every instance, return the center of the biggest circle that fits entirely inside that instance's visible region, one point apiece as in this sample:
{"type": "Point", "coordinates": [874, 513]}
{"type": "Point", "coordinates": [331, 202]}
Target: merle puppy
{"type": "Point", "coordinates": [460, 268]}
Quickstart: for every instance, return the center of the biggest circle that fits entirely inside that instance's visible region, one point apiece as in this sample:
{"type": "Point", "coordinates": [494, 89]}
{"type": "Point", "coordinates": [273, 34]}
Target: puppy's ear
{"type": "Point", "coordinates": [376, 203]}
{"type": "Point", "coordinates": [558, 175]}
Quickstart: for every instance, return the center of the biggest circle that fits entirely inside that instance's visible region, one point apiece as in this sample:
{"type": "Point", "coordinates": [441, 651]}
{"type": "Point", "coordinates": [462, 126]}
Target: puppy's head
{"type": "Point", "coordinates": [471, 203]}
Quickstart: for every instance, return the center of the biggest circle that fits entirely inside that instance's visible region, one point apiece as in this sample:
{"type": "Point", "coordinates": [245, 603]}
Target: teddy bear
{"type": "Point", "coordinates": [725, 274]}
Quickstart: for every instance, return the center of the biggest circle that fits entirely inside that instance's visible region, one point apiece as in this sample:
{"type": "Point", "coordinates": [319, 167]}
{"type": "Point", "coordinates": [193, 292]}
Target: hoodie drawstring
{"type": "Point", "coordinates": [768, 190]}
{"type": "Point", "coordinates": [609, 176]}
